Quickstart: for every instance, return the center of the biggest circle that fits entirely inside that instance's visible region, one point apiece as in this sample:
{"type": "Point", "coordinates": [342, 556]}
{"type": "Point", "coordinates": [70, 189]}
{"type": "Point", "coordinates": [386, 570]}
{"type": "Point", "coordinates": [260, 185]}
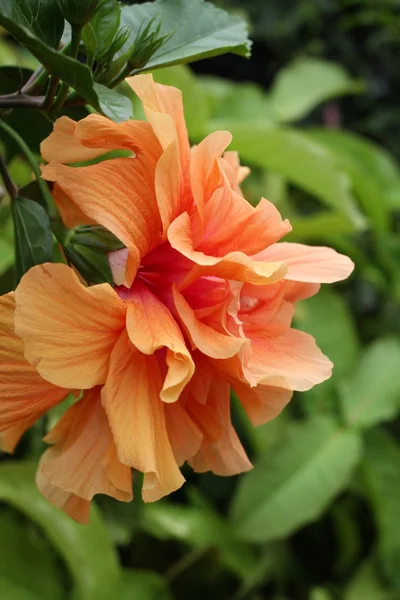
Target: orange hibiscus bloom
{"type": "Point", "coordinates": [203, 301]}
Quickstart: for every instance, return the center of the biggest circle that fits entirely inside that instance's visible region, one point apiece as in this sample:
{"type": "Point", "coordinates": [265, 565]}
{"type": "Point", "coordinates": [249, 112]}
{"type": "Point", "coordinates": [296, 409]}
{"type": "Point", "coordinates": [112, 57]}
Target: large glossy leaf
{"type": "Point", "coordinates": [380, 469]}
{"type": "Point", "coordinates": [41, 17]}
{"type": "Point", "coordinates": [86, 550]}
{"type": "Point", "coordinates": [301, 161]}
{"type": "Point", "coordinates": [328, 319]}
{"type": "Point", "coordinates": [27, 559]}
{"type": "Point", "coordinates": [296, 481]}
{"type": "Point", "coordinates": [305, 83]}
{"type": "Point", "coordinates": [143, 585]}
{"type": "Point", "coordinates": [199, 30]}
{"type": "Point", "coordinates": [372, 393]}
{"type": "Point", "coordinates": [374, 174]}
{"type": "Point", "coordinates": [33, 236]}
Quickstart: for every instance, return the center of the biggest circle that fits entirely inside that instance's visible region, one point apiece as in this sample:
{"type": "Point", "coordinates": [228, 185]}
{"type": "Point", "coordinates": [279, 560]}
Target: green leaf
{"type": "Point", "coordinates": [86, 550]}
{"type": "Point", "coordinates": [200, 30]}
{"type": "Point", "coordinates": [105, 24]}
{"type": "Point", "coordinates": [27, 559]}
{"type": "Point", "coordinates": [33, 237]}
{"type": "Point", "coordinates": [305, 83]}
{"type": "Point", "coordinates": [296, 481]}
{"type": "Point", "coordinates": [113, 105]}
{"type": "Point", "coordinates": [143, 585]}
{"type": "Point", "coordinates": [366, 585]}
{"type": "Point", "coordinates": [71, 71]}
{"type": "Point", "coordinates": [374, 174]}
{"type": "Point", "coordinates": [43, 18]}
{"type": "Point", "coordinates": [300, 160]}
{"type": "Point", "coordinates": [12, 590]}
{"type": "Point", "coordinates": [372, 394]}
{"type": "Point", "coordinates": [380, 469]}
{"type": "Point", "coordinates": [328, 319]}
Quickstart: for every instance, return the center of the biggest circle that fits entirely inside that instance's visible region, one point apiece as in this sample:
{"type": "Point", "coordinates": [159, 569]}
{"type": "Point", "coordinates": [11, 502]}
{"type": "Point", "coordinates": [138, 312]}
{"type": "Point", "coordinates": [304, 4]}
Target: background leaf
{"type": "Point", "coordinates": [143, 585]}
{"type": "Point", "coordinates": [295, 482]}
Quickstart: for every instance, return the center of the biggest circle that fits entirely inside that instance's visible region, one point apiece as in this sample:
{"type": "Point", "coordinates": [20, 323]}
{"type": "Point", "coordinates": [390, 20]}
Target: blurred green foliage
{"type": "Point", "coordinates": [319, 516]}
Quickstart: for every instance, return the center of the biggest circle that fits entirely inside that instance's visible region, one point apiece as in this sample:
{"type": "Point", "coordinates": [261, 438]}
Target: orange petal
{"type": "Point", "coordinates": [209, 341]}
{"type": "Point", "coordinates": [205, 170]}
{"type": "Point", "coordinates": [311, 264]}
{"type": "Point", "coordinates": [68, 330]}
{"type": "Point", "coordinates": [281, 352]}
{"type": "Point", "coordinates": [235, 265]}
{"type": "Point", "coordinates": [221, 451]}
{"type": "Point", "coordinates": [183, 433]}
{"type": "Point", "coordinates": [24, 395]}
{"type": "Point", "coordinates": [170, 194]}
{"type": "Point", "coordinates": [163, 107]}
{"type": "Point", "coordinates": [233, 170]}
{"type": "Point", "coordinates": [263, 402]}
{"type": "Point", "coordinates": [95, 135]}
{"type": "Point", "coordinates": [118, 194]}
{"type": "Point", "coordinates": [151, 327]}
{"type": "Point", "coordinates": [83, 461]}
{"type": "Point", "coordinates": [131, 398]}
{"type": "Point", "coordinates": [71, 214]}
{"type": "Point", "coordinates": [75, 507]}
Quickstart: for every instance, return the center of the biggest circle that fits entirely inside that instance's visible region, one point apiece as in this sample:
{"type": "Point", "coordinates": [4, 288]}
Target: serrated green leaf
{"type": "Point", "coordinates": [305, 83]}
{"type": "Point", "coordinates": [113, 105]}
{"type": "Point", "coordinates": [296, 481]}
{"type": "Point", "coordinates": [372, 394]}
{"type": "Point", "coordinates": [143, 585]}
{"type": "Point", "coordinates": [43, 18]}
{"type": "Point", "coordinates": [200, 30]}
{"type": "Point", "coordinates": [33, 236]}
{"type": "Point", "coordinates": [380, 469]}
{"type": "Point", "coordinates": [86, 550]}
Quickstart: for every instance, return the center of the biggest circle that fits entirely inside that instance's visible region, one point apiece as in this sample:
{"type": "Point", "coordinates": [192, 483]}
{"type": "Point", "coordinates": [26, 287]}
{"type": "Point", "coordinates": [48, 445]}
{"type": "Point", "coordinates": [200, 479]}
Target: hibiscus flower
{"type": "Point", "coordinates": [203, 302]}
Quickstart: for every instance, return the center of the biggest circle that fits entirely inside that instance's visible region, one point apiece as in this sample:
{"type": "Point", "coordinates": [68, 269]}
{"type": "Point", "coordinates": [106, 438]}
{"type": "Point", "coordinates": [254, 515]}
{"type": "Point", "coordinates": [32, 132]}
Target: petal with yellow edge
{"type": "Point", "coordinates": [131, 398]}
{"type": "Point", "coordinates": [68, 329]}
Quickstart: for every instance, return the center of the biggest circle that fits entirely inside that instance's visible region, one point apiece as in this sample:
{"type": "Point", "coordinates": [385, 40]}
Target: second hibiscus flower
{"type": "Point", "coordinates": [203, 301]}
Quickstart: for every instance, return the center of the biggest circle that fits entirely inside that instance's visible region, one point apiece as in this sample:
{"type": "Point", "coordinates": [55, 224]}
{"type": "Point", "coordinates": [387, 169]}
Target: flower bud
{"type": "Point", "coordinates": [78, 12]}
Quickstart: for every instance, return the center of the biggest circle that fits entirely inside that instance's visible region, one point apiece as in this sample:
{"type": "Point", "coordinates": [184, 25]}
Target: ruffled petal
{"type": "Point", "coordinates": [235, 265]}
{"type": "Point", "coordinates": [83, 460]}
{"type": "Point", "coordinates": [24, 395]}
{"type": "Point", "coordinates": [183, 433]}
{"type": "Point", "coordinates": [151, 327]}
{"type": "Point", "coordinates": [221, 451]}
{"type": "Point", "coordinates": [208, 340]}
{"type": "Point", "coordinates": [68, 330]}
{"type": "Point", "coordinates": [263, 402]}
{"type": "Point", "coordinates": [313, 264]}
{"type": "Point", "coordinates": [131, 398]}
{"type": "Point", "coordinates": [95, 135]}
{"type": "Point", "coordinates": [289, 355]}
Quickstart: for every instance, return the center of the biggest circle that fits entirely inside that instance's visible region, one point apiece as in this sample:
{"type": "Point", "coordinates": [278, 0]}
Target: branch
{"type": "Point", "coordinates": [8, 182]}
{"type": "Point", "coordinates": [21, 101]}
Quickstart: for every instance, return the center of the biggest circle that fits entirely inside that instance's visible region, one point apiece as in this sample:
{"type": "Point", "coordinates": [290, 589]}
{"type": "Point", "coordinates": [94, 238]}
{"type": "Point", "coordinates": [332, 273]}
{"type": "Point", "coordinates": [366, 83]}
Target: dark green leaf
{"type": "Point", "coordinates": [200, 30]}
{"type": "Point", "coordinates": [381, 472]}
{"type": "Point", "coordinates": [28, 559]}
{"type": "Point", "coordinates": [143, 585]}
{"type": "Point", "coordinates": [92, 264]}
{"type": "Point", "coordinates": [86, 550]}
{"type": "Point", "coordinates": [295, 481]}
{"type": "Point", "coordinates": [105, 24]}
{"type": "Point", "coordinates": [372, 393]}
{"type": "Point", "coordinates": [43, 18]}
{"type": "Point", "coordinates": [13, 78]}
{"type": "Point", "coordinates": [33, 237]}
